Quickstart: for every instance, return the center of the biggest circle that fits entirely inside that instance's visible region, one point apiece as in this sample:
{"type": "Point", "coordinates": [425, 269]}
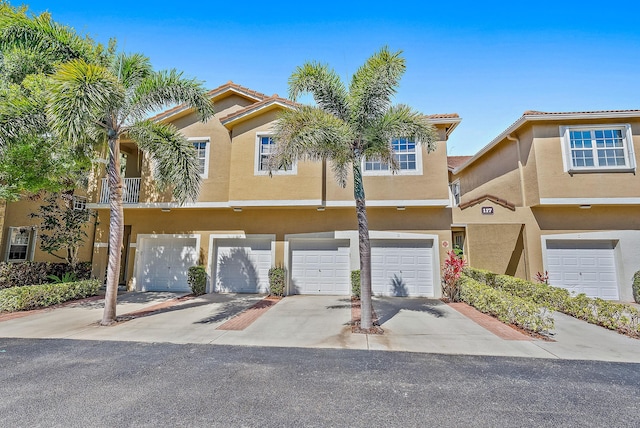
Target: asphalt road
{"type": "Point", "coordinates": [86, 383]}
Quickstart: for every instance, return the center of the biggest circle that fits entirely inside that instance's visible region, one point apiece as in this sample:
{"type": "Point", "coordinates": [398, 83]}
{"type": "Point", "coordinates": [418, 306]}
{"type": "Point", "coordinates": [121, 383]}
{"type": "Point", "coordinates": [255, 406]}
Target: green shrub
{"type": "Point", "coordinates": [277, 281]}
{"type": "Point", "coordinates": [39, 296]}
{"type": "Point", "coordinates": [506, 307]}
{"type": "Point", "coordinates": [615, 316]}
{"type": "Point", "coordinates": [67, 277]}
{"type": "Point", "coordinates": [636, 287]}
{"type": "Point", "coordinates": [31, 273]}
{"type": "Point", "coordinates": [197, 279]}
{"type": "Point", "coordinates": [355, 284]}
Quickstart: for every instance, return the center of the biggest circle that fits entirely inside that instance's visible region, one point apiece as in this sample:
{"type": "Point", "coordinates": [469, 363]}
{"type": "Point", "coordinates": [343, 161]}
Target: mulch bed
{"type": "Point", "coordinates": [355, 320]}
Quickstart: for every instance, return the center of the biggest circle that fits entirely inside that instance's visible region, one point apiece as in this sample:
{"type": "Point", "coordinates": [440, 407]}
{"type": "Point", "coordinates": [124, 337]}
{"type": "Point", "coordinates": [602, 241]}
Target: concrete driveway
{"type": "Point", "coordinates": [414, 325]}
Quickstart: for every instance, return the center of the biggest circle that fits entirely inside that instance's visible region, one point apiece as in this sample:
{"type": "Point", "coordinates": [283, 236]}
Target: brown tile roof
{"type": "Point", "coordinates": [443, 116]}
{"type": "Point", "coordinates": [256, 106]}
{"type": "Point", "coordinates": [456, 161]}
{"type": "Point", "coordinates": [536, 112]}
{"type": "Point", "coordinates": [494, 199]}
{"type": "Point", "coordinates": [213, 92]}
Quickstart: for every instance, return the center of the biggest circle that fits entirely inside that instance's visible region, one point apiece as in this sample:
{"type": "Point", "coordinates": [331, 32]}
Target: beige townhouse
{"type": "Point", "coordinates": [555, 192]}
{"type": "Point", "coordinates": [247, 220]}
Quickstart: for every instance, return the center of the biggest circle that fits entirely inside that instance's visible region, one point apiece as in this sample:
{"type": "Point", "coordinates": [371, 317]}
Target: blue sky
{"type": "Point", "coordinates": [487, 61]}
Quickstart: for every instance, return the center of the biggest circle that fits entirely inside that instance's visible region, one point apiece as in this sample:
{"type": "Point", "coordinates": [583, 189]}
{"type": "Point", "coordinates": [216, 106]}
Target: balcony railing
{"type": "Point", "coordinates": [130, 191]}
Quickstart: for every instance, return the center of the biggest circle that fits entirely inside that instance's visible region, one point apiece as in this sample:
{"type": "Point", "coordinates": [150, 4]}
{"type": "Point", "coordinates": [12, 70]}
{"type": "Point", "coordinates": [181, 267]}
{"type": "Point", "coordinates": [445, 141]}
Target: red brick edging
{"type": "Point", "coordinates": [245, 318]}
{"type": "Point", "coordinates": [490, 323]}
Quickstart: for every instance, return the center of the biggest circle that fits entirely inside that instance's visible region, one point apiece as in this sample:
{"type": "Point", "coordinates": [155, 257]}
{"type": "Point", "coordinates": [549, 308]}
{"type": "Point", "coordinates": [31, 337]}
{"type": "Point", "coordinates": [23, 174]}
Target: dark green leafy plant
{"type": "Point", "coordinates": [355, 284]}
{"type": "Point", "coordinates": [277, 276]}
{"type": "Point", "coordinates": [32, 273]}
{"type": "Point", "coordinates": [38, 296]}
{"type": "Point", "coordinates": [636, 287]}
{"type": "Point", "coordinates": [197, 279]}
{"type": "Point", "coordinates": [66, 277]}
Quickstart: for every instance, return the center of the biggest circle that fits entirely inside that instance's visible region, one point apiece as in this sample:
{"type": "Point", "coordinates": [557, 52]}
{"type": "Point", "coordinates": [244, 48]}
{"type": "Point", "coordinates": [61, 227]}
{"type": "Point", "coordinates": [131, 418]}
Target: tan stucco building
{"type": "Point", "coordinates": [554, 192]}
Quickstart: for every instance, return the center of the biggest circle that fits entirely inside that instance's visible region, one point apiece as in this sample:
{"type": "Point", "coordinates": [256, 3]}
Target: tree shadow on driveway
{"type": "Point", "coordinates": [388, 307]}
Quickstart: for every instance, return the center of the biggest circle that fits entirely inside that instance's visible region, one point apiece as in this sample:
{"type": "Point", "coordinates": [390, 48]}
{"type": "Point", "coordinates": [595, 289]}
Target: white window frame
{"type": "Point", "coordinates": [627, 140]}
{"type": "Point", "coordinates": [207, 150]}
{"type": "Point", "coordinates": [79, 203]}
{"type": "Point", "coordinates": [30, 241]}
{"type": "Point", "coordinates": [452, 186]}
{"type": "Point", "coordinates": [291, 171]}
{"type": "Point", "coordinates": [389, 171]}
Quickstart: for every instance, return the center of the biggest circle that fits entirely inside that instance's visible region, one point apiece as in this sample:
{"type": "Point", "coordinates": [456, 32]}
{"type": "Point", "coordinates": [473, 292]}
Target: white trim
{"type": "Point", "coordinates": [590, 201]}
{"type": "Point", "coordinates": [207, 152]}
{"type": "Point", "coordinates": [257, 157]}
{"type": "Point", "coordinates": [451, 194]}
{"type": "Point", "coordinates": [393, 203]}
{"type": "Point", "coordinates": [250, 112]}
{"type": "Point", "coordinates": [30, 250]}
{"type": "Point", "coordinates": [548, 117]}
{"type": "Point", "coordinates": [228, 204]}
{"type": "Point", "coordinates": [386, 172]}
{"type": "Point", "coordinates": [100, 245]}
{"type": "Point", "coordinates": [627, 149]}
{"type": "Point", "coordinates": [133, 245]}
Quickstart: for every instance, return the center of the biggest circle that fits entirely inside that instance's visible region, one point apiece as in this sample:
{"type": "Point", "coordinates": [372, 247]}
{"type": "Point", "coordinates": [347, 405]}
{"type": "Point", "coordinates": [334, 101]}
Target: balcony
{"type": "Point", "coordinates": [130, 191]}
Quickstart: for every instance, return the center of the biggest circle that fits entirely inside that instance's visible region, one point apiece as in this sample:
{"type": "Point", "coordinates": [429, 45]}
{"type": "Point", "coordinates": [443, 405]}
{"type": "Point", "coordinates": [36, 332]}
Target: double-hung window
{"type": "Point", "coordinates": [407, 157]}
{"type": "Point", "coordinates": [598, 148]}
{"type": "Point", "coordinates": [265, 147]}
{"type": "Point", "coordinates": [18, 244]}
{"type": "Point", "coordinates": [202, 153]}
{"type": "Point", "coordinates": [455, 193]}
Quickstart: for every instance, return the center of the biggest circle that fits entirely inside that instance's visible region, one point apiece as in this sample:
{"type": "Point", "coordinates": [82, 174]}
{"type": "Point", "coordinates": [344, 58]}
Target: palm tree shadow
{"type": "Point", "coordinates": [399, 286]}
{"type": "Point", "coordinates": [388, 307]}
{"type": "Point", "coordinates": [237, 272]}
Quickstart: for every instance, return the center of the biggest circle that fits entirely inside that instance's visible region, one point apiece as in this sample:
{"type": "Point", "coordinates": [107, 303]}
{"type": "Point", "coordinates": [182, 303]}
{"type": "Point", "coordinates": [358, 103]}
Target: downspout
{"type": "Point", "coordinates": [520, 168]}
{"type": "Point", "coordinates": [524, 199]}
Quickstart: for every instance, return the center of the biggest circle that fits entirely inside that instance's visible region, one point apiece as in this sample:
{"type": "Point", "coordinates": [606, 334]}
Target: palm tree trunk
{"type": "Point", "coordinates": [116, 231]}
{"type": "Point", "coordinates": [366, 305]}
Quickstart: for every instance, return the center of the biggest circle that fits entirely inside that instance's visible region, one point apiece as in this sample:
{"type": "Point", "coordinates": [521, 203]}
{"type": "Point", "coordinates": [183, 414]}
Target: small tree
{"type": "Point", "coordinates": [62, 226]}
{"type": "Point", "coordinates": [451, 272]}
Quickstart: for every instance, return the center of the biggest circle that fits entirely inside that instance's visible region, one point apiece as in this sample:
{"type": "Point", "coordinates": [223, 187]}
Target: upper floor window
{"type": "Point", "coordinates": [79, 203]}
{"type": "Point", "coordinates": [202, 150]}
{"type": "Point", "coordinates": [406, 154]}
{"type": "Point", "coordinates": [18, 244]}
{"type": "Point", "coordinates": [265, 146]}
{"type": "Point", "coordinates": [455, 193]}
{"type": "Point", "coordinates": [598, 148]}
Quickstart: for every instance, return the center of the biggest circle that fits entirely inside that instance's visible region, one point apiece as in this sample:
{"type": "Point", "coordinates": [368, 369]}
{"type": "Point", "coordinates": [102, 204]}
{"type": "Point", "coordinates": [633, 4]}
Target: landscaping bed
{"type": "Point", "coordinates": [29, 297]}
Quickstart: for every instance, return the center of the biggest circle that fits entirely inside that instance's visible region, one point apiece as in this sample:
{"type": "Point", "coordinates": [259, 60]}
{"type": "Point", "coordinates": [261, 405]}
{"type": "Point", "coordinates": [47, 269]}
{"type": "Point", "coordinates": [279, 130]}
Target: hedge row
{"type": "Point", "coordinates": [506, 307]}
{"type": "Point", "coordinates": [39, 296]}
{"type": "Point", "coordinates": [30, 273]}
{"type": "Point", "coordinates": [614, 316]}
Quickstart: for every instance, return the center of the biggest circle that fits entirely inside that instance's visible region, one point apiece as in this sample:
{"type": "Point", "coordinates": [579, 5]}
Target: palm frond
{"type": "Point", "coordinates": [373, 85]}
{"type": "Point", "coordinates": [311, 133]}
{"type": "Point", "coordinates": [324, 84]}
{"type": "Point", "coordinates": [81, 97]}
{"type": "Point", "coordinates": [165, 88]}
{"type": "Point", "coordinates": [39, 33]}
{"type": "Point", "coordinates": [174, 158]}
{"type": "Point", "coordinates": [131, 69]}
{"type": "Point", "coordinates": [19, 116]}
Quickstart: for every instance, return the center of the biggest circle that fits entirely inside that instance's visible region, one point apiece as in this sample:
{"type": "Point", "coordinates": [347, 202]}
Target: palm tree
{"type": "Point", "coordinates": [96, 97]}
{"type": "Point", "coordinates": [345, 127]}
{"type": "Point", "coordinates": [91, 102]}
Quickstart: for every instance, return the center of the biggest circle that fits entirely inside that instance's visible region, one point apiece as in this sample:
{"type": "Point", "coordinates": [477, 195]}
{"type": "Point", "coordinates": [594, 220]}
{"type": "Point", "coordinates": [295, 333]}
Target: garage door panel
{"type": "Point", "coordinates": [402, 267]}
{"type": "Point", "coordinates": [164, 263]}
{"type": "Point", "coordinates": [242, 265]}
{"type": "Point", "coordinates": [583, 267]}
{"type": "Point", "coordinates": [320, 267]}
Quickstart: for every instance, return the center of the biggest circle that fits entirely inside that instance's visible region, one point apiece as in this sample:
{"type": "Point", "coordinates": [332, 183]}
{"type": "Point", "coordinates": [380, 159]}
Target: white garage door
{"type": "Point", "coordinates": [320, 267]}
{"type": "Point", "coordinates": [164, 263]}
{"type": "Point", "coordinates": [242, 265]}
{"type": "Point", "coordinates": [402, 268]}
{"type": "Point", "coordinates": [583, 267]}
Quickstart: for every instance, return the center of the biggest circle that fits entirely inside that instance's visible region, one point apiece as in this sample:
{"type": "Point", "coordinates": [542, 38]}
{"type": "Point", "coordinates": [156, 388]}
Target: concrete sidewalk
{"type": "Point", "coordinates": [413, 325]}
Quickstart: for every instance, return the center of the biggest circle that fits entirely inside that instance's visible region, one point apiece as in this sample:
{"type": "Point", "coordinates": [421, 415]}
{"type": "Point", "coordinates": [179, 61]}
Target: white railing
{"type": "Point", "coordinates": [130, 191]}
